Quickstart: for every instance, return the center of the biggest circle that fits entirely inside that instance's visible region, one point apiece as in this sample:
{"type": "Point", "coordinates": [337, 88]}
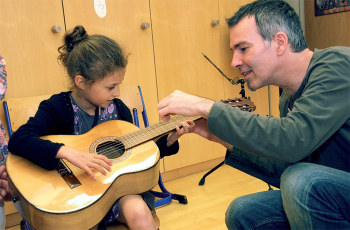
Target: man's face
{"type": "Point", "coordinates": [251, 55]}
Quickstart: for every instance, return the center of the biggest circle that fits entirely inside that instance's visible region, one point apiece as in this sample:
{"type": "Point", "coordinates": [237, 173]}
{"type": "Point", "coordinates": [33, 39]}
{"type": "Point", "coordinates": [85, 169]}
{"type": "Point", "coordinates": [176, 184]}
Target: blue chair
{"type": "Point", "coordinates": [18, 110]}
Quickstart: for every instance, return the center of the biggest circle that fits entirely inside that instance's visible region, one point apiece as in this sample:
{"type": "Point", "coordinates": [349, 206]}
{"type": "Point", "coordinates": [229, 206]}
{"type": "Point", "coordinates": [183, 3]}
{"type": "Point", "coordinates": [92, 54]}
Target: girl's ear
{"type": "Point", "coordinates": [79, 82]}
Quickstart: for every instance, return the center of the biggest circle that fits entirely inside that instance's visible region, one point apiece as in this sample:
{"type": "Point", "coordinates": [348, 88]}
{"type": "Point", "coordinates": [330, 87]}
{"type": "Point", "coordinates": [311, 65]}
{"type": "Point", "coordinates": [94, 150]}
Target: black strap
{"type": "Point", "coordinates": [97, 114]}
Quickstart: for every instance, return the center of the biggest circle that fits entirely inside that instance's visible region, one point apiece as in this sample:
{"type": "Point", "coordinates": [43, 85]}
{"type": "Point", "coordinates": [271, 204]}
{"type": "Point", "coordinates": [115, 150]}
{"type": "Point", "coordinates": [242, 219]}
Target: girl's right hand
{"type": "Point", "coordinates": [85, 161]}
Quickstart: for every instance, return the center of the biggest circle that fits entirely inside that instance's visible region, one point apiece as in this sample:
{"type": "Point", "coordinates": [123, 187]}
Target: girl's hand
{"type": "Point", "coordinates": [187, 126]}
{"type": "Point", "coordinates": [85, 161]}
{"type": "Point", "coordinates": [3, 183]}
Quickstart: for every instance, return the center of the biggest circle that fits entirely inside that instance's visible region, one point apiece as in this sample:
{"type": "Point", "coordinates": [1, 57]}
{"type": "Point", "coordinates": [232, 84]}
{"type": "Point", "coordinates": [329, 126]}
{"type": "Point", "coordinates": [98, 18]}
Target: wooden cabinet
{"type": "Point", "coordinates": [328, 30]}
{"type": "Point", "coordinates": [182, 32]}
{"type": "Point", "coordinates": [123, 23]}
{"type": "Point", "coordinates": [30, 47]}
{"type": "Point", "coordinates": [165, 57]}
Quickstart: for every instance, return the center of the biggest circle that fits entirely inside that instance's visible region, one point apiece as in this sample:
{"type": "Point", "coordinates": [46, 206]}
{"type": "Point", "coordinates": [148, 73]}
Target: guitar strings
{"type": "Point", "coordinates": [138, 137]}
{"type": "Point", "coordinates": [141, 135]}
{"type": "Point", "coordinates": [155, 127]}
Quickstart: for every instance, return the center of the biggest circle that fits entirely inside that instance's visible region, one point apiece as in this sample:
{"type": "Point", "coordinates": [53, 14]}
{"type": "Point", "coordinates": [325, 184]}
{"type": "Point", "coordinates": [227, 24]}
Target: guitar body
{"type": "Point", "coordinates": [46, 201]}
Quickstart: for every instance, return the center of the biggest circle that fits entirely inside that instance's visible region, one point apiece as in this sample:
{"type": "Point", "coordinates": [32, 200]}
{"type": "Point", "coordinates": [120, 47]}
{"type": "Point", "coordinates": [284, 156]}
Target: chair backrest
{"type": "Point", "coordinates": [19, 110]}
{"type": "Point", "coordinates": [131, 95]}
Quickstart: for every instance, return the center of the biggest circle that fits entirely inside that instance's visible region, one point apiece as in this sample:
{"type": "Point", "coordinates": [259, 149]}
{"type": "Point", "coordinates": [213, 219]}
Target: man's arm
{"type": "Point", "coordinates": [184, 104]}
{"type": "Point", "coordinates": [201, 128]}
{"type": "Point", "coordinates": [190, 105]}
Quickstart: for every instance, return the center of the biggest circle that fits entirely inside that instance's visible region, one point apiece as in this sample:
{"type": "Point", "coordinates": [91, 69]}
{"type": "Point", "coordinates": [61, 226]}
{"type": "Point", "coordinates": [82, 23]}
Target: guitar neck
{"type": "Point", "coordinates": [153, 131]}
{"type": "Point", "coordinates": [159, 129]}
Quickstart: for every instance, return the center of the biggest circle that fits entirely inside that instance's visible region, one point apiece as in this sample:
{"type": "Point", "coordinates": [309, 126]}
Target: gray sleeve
{"type": "Point", "coordinates": [317, 114]}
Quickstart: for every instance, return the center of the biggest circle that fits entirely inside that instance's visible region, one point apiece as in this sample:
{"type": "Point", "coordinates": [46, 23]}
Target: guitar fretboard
{"type": "Point", "coordinates": [136, 138]}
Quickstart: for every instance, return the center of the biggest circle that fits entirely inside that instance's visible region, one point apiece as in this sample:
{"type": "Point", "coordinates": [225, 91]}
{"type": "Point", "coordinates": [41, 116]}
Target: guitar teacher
{"type": "Point", "coordinates": [305, 153]}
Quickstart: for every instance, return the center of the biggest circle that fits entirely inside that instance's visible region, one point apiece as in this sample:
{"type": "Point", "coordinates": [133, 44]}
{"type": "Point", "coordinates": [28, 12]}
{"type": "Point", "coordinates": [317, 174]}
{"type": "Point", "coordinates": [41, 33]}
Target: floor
{"type": "Point", "coordinates": [207, 203]}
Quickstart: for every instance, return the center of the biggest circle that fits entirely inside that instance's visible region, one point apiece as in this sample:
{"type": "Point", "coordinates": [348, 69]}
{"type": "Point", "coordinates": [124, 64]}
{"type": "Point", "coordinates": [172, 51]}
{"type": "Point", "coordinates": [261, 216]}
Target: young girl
{"type": "Point", "coordinates": [96, 65]}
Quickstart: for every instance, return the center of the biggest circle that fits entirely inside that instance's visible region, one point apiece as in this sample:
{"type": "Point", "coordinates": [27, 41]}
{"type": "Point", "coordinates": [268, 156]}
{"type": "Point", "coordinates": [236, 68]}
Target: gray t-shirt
{"type": "Point", "coordinates": [317, 128]}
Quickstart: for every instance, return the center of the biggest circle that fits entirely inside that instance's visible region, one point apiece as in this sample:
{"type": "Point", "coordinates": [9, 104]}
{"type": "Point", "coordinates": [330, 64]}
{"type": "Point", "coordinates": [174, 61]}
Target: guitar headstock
{"type": "Point", "coordinates": [241, 103]}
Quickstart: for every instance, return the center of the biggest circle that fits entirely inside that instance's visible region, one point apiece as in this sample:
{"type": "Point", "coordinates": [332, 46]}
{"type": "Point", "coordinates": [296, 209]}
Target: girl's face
{"type": "Point", "coordinates": [102, 92]}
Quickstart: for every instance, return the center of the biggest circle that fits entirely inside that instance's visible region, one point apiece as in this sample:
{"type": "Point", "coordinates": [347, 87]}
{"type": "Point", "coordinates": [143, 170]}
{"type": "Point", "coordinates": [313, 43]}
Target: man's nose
{"type": "Point", "coordinates": [236, 61]}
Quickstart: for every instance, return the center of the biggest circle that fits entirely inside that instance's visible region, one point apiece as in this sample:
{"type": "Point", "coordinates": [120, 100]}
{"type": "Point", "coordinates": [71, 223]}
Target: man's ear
{"type": "Point", "coordinates": [281, 41]}
{"type": "Point", "coordinates": [79, 81]}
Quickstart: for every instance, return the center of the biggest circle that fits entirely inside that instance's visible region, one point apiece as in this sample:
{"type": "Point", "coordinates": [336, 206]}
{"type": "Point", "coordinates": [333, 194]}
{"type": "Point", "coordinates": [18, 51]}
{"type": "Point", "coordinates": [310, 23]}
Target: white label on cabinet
{"type": "Point", "coordinates": [100, 8]}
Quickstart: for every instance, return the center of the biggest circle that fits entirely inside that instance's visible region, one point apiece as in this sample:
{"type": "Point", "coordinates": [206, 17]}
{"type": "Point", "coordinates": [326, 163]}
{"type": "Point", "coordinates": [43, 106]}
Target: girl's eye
{"type": "Point", "coordinates": [110, 88]}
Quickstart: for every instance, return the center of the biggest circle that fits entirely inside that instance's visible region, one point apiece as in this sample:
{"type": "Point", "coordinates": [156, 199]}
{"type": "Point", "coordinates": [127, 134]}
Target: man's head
{"type": "Point", "coordinates": [263, 35]}
{"type": "Point", "coordinates": [272, 16]}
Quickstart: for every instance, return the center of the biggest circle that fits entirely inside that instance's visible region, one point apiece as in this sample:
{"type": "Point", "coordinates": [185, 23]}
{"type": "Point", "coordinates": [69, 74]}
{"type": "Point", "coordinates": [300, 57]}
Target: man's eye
{"type": "Point", "coordinates": [243, 49]}
{"type": "Point", "coordinates": [110, 88]}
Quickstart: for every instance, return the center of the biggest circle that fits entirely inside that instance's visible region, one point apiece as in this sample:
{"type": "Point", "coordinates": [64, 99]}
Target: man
{"type": "Point", "coordinates": [314, 126]}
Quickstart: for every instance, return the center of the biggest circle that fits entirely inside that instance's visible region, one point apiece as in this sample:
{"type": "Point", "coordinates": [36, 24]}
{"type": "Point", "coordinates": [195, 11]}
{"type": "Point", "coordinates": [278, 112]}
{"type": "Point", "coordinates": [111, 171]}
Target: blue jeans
{"type": "Point", "coordinates": [310, 197]}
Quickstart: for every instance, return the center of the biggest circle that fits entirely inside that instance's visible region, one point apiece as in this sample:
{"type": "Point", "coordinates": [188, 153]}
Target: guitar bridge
{"type": "Point", "coordinates": [67, 175]}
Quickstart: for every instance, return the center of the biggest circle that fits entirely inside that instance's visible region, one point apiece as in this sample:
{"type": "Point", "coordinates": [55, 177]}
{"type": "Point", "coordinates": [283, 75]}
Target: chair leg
{"type": "Point", "coordinates": [166, 196]}
{"type": "Point", "coordinates": [202, 181]}
{"type": "Point", "coordinates": [25, 226]}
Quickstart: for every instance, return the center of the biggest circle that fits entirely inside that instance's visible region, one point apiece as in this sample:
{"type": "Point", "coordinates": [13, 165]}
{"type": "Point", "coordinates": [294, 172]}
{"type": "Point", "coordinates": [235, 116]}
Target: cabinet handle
{"type": "Point", "coordinates": [215, 22]}
{"type": "Point", "coordinates": [145, 25]}
{"type": "Point", "coordinates": [56, 28]}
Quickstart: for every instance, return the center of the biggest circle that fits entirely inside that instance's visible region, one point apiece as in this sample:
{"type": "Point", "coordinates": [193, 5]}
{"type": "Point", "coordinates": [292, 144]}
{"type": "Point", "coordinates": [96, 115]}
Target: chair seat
{"type": "Point", "coordinates": [121, 226]}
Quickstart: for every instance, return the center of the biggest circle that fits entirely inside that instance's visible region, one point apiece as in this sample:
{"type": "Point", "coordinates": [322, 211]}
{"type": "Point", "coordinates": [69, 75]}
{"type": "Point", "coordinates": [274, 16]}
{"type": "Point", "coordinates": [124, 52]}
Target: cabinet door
{"type": "Point", "coordinates": [265, 104]}
{"type": "Point", "coordinates": [123, 23]}
{"type": "Point", "coordinates": [30, 47]}
{"type": "Point", "coordinates": [182, 31]}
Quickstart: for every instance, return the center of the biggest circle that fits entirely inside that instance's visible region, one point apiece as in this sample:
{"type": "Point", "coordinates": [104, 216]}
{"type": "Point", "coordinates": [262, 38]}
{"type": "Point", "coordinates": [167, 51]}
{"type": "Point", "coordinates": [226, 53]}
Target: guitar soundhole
{"type": "Point", "coordinates": [111, 149]}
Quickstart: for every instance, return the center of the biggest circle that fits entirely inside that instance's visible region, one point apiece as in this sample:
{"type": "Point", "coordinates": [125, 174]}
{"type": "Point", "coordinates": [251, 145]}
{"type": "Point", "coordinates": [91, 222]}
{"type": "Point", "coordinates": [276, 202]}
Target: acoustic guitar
{"type": "Point", "coordinates": [67, 198]}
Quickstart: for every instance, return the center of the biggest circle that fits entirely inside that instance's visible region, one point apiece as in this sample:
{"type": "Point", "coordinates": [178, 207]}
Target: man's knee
{"type": "Point", "coordinates": [297, 183]}
{"type": "Point", "coordinates": [239, 212]}
{"type": "Point", "coordinates": [232, 213]}
{"type": "Point", "coordinates": [298, 176]}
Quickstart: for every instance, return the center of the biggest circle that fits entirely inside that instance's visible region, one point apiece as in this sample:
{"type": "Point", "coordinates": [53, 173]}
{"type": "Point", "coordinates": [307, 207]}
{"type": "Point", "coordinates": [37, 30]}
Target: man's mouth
{"type": "Point", "coordinates": [246, 73]}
